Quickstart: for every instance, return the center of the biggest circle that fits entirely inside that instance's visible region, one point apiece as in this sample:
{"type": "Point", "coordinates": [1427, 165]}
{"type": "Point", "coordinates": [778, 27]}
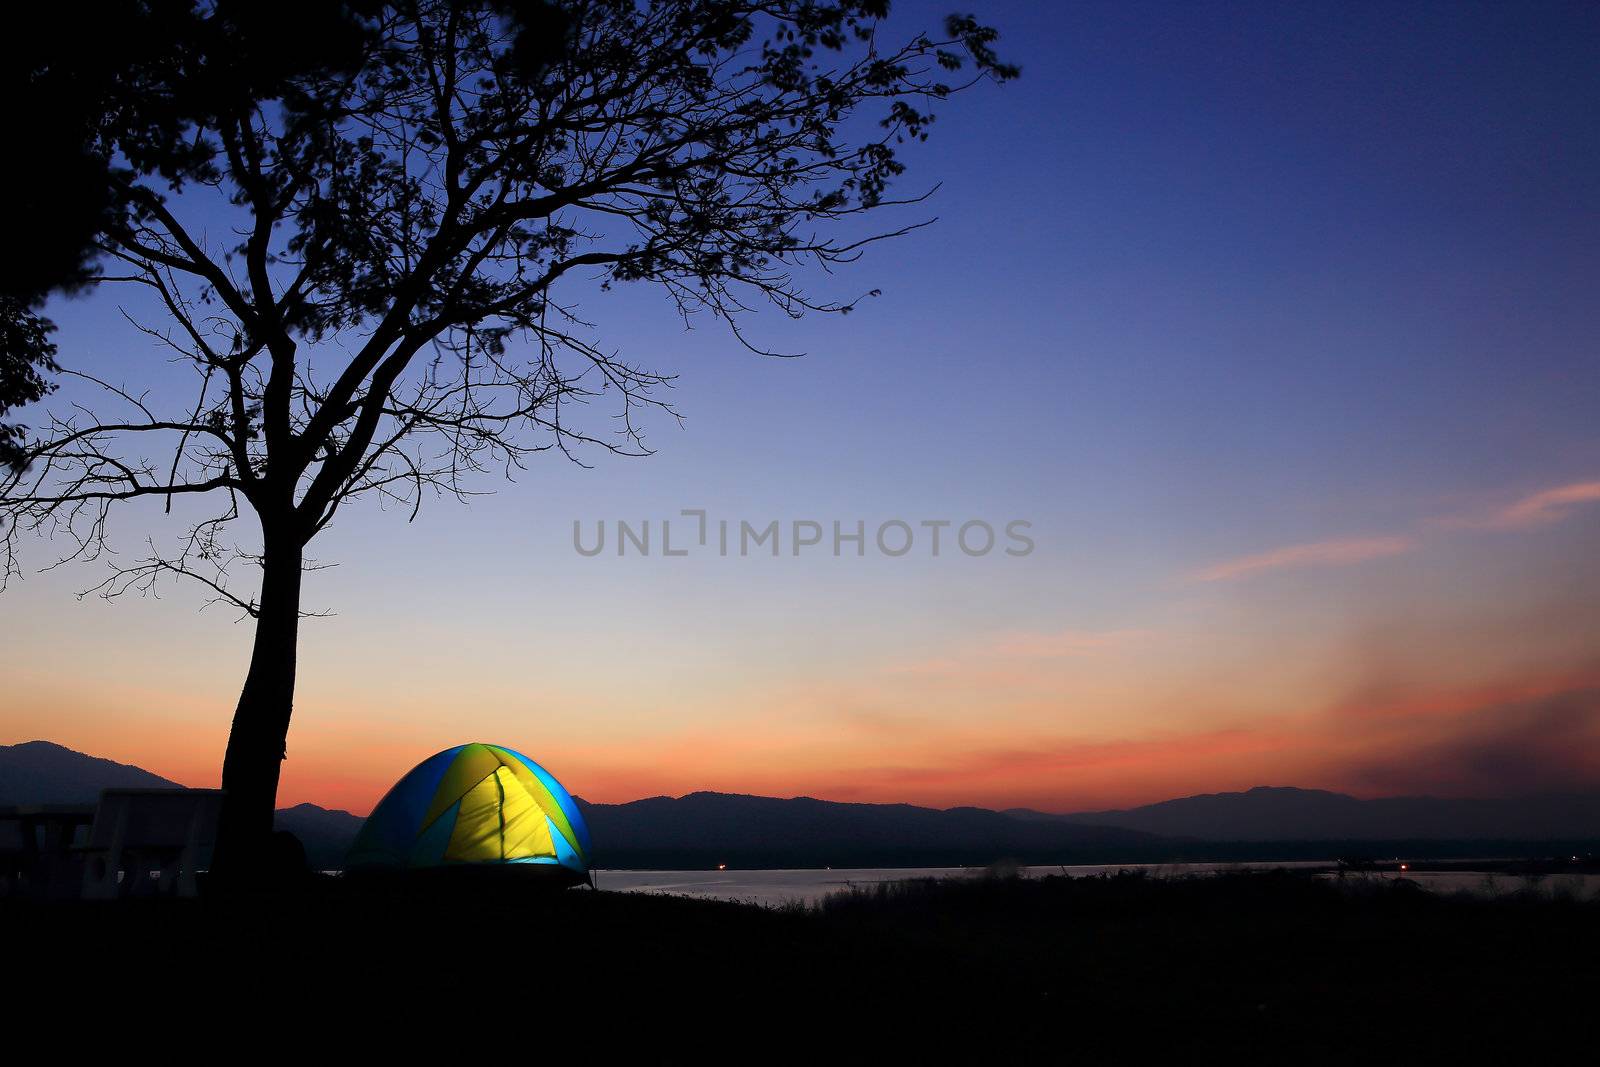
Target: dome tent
{"type": "Point", "coordinates": [480, 805]}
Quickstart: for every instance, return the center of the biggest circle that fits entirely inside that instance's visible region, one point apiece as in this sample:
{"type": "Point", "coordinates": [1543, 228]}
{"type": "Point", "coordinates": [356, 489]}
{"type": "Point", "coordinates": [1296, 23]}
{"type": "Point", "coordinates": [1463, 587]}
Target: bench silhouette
{"type": "Point", "coordinates": [140, 831]}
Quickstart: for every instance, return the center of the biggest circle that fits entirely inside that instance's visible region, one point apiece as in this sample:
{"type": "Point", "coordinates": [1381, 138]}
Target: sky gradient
{"type": "Point", "coordinates": [1278, 324]}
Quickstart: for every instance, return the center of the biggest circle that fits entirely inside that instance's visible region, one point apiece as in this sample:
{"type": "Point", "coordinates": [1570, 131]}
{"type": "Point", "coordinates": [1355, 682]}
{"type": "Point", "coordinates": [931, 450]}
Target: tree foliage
{"type": "Point", "coordinates": [100, 98]}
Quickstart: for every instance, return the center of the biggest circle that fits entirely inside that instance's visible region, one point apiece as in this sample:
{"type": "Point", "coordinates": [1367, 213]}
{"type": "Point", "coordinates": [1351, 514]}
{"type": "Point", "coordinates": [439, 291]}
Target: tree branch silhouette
{"type": "Point", "coordinates": [384, 314]}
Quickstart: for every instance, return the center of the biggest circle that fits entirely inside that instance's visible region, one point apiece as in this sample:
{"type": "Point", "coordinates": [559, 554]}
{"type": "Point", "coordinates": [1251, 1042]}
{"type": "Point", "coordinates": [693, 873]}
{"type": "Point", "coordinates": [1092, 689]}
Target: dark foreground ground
{"type": "Point", "coordinates": [1269, 966]}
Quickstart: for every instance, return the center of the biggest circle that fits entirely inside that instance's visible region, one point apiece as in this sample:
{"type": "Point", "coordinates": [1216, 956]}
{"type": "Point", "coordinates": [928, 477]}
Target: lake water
{"type": "Point", "coordinates": [772, 888]}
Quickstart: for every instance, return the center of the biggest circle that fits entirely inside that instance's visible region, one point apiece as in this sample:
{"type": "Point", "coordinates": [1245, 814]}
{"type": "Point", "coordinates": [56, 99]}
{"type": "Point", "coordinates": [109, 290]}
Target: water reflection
{"type": "Point", "coordinates": [774, 888]}
{"type": "Point", "coordinates": [808, 886]}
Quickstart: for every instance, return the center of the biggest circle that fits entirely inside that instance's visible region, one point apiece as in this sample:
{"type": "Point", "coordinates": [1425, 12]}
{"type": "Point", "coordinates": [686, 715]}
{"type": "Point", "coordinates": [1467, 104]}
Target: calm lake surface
{"type": "Point", "coordinates": [773, 888]}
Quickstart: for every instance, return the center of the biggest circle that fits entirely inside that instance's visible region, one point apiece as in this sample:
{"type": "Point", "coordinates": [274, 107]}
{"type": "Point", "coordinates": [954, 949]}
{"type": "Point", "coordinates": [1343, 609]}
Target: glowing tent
{"type": "Point", "coordinates": [479, 805]}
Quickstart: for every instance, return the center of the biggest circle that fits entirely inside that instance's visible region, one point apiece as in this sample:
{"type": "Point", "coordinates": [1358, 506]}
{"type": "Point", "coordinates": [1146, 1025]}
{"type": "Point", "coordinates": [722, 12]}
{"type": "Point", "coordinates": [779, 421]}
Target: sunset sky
{"type": "Point", "coordinates": [1278, 324]}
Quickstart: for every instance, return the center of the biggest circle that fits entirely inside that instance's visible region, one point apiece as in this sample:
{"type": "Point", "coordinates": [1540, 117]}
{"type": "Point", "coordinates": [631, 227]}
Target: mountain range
{"type": "Point", "coordinates": [38, 772]}
{"type": "Point", "coordinates": [1268, 813]}
{"type": "Point", "coordinates": [705, 829]}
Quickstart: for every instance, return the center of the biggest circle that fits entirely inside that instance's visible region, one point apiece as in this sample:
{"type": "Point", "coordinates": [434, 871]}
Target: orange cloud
{"type": "Point", "coordinates": [1063, 773]}
{"type": "Point", "coordinates": [1550, 742]}
{"type": "Point", "coordinates": [1315, 554]}
{"type": "Point", "coordinates": [1516, 735]}
{"type": "Point", "coordinates": [1399, 703]}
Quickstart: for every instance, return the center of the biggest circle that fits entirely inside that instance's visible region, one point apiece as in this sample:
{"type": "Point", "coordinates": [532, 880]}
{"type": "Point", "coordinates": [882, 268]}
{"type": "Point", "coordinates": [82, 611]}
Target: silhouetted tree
{"type": "Point", "coordinates": [57, 192]}
{"type": "Point", "coordinates": [358, 245]}
{"type": "Point", "coordinates": [98, 98]}
{"type": "Point", "coordinates": [27, 356]}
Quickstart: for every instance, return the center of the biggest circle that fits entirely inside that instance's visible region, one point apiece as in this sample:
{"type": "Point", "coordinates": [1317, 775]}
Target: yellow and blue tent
{"type": "Point", "coordinates": [476, 804]}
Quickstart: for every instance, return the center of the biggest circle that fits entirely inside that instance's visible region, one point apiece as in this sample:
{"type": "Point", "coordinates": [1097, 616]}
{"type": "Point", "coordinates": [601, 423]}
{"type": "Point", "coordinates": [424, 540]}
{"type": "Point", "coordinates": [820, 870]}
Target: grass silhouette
{"type": "Point", "coordinates": [1269, 965]}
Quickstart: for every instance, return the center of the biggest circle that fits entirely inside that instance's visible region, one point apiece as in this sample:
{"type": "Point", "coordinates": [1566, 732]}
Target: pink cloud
{"type": "Point", "coordinates": [1550, 505]}
{"type": "Point", "coordinates": [1315, 554]}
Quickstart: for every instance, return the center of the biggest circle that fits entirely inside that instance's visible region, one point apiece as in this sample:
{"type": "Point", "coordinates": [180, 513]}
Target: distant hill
{"type": "Point", "coordinates": [39, 772]}
{"type": "Point", "coordinates": [325, 832]}
{"type": "Point", "coordinates": [705, 829]}
{"type": "Point", "coordinates": [1268, 813]}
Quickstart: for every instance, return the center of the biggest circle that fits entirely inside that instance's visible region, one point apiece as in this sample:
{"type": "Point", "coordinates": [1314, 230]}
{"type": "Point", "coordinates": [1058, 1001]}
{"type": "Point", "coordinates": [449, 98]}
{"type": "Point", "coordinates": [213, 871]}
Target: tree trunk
{"type": "Point", "coordinates": [257, 741]}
